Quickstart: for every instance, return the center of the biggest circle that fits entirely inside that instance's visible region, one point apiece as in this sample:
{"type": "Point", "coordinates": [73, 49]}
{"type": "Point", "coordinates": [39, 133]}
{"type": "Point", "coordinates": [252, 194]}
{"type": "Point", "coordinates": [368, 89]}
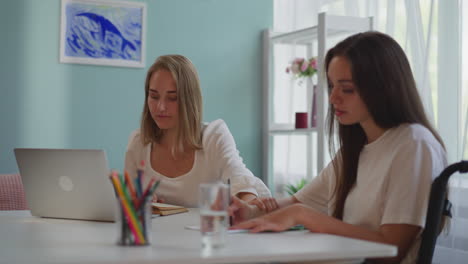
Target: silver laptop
{"type": "Point", "coordinates": [67, 183]}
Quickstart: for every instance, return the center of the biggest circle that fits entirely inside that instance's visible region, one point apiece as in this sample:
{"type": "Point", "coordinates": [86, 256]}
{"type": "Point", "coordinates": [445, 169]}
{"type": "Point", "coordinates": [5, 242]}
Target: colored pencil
{"type": "Point", "coordinates": [145, 193]}
{"type": "Point", "coordinates": [153, 188]}
{"type": "Point", "coordinates": [130, 185]}
{"type": "Point", "coordinates": [140, 172]}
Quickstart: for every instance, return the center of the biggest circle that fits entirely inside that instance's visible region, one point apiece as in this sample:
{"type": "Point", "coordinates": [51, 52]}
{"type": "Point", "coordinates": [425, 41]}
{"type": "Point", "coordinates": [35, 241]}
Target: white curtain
{"type": "Point", "coordinates": [432, 32]}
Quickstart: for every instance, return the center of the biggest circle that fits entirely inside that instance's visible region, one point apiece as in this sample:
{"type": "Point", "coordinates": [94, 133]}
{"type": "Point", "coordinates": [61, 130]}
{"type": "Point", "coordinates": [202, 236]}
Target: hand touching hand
{"type": "Point", "coordinates": [279, 220]}
{"type": "Point", "coordinates": [241, 210]}
{"type": "Point", "coordinates": [265, 204]}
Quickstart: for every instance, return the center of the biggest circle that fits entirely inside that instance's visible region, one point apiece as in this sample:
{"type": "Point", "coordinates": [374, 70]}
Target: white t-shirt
{"type": "Point", "coordinates": [219, 160]}
{"type": "Point", "coordinates": [393, 182]}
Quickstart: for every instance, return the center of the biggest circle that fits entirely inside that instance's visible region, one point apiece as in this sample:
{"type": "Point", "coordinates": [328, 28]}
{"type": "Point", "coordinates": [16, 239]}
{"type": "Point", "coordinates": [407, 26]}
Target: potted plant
{"type": "Point", "coordinates": [294, 188]}
{"type": "Point", "coordinates": [302, 68]}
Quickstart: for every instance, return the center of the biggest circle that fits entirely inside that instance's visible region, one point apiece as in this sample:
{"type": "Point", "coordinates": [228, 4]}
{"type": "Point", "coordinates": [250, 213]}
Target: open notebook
{"type": "Point", "coordinates": [167, 209]}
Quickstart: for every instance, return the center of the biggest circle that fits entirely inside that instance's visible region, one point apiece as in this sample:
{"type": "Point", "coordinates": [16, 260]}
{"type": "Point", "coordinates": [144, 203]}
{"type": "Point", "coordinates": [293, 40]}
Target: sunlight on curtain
{"type": "Point", "coordinates": [415, 24]}
{"type": "Point", "coordinates": [464, 92]}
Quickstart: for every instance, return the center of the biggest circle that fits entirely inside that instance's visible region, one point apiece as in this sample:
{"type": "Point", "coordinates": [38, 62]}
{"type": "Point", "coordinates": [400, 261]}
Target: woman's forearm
{"type": "Point", "coordinates": [284, 202]}
{"type": "Point", "coordinates": [400, 235]}
{"type": "Point", "coordinates": [246, 196]}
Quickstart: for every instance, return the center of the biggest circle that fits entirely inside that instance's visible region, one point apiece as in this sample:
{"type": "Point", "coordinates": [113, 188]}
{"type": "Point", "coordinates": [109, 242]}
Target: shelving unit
{"type": "Point", "coordinates": [312, 42]}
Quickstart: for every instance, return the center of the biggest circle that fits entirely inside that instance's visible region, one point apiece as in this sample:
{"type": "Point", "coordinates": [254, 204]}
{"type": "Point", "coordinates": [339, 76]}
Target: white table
{"type": "Point", "coordinates": [28, 239]}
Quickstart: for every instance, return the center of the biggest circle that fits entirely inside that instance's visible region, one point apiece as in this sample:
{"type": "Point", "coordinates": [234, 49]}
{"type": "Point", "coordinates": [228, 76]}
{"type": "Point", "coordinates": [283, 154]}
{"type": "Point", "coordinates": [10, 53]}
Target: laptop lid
{"type": "Point", "coordinates": [67, 183]}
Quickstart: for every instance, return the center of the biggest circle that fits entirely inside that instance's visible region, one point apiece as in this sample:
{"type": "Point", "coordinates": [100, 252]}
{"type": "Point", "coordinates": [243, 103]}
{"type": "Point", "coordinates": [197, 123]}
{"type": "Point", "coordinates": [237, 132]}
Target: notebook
{"type": "Point", "coordinates": [67, 183]}
{"type": "Point", "coordinates": [167, 209]}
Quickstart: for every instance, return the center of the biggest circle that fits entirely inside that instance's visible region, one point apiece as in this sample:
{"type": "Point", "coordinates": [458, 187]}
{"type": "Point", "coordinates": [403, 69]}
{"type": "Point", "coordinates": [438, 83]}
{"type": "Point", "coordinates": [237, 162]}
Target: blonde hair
{"type": "Point", "coordinates": [189, 103]}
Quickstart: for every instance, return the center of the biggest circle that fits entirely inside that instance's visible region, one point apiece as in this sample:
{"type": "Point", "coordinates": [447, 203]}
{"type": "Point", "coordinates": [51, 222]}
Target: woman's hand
{"type": "Point", "coordinates": [265, 204]}
{"type": "Point", "coordinates": [241, 210]}
{"type": "Point", "coordinates": [156, 199]}
{"type": "Point", "coordinates": [279, 220]}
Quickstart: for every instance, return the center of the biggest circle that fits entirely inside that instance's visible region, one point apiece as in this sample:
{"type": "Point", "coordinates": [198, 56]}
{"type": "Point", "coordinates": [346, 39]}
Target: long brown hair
{"type": "Point", "coordinates": [189, 100]}
{"type": "Point", "coordinates": [384, 80]}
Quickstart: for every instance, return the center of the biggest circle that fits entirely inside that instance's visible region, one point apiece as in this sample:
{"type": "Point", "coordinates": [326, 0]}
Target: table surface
{"type": "Point", "coordinates": [28, 239]}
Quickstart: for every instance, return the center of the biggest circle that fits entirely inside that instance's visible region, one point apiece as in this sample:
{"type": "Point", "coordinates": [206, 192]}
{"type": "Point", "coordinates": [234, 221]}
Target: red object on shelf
{"type": "Point", "coordinates": [301, 120]}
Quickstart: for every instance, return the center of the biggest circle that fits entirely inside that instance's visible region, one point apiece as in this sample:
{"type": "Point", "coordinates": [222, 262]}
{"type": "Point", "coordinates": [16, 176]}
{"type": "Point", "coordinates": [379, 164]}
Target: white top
{"type": "Point", "coordinates": [393, 182]}
{"type": "Point", "coordinates": [219, 160]}
{"type": "Point", "coordinates": [27, 239]}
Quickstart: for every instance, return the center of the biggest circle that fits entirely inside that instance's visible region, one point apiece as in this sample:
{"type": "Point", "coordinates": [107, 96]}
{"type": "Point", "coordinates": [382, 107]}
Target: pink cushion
{"type": "Point", "coordinates": [12, 193]}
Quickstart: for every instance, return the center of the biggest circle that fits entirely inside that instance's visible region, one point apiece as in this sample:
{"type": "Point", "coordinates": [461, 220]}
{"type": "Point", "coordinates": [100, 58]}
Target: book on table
{"type": "Point", "coordinates": [167, 209]}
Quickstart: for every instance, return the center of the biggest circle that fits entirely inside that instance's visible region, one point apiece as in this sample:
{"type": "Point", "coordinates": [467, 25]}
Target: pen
{"type": "Point", "coordinates": [229, 201]}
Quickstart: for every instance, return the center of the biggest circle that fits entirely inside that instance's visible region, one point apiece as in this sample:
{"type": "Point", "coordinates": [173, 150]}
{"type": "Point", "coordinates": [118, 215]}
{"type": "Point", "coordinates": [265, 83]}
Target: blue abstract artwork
{"type": "Point", "coordinates": [102, 32]}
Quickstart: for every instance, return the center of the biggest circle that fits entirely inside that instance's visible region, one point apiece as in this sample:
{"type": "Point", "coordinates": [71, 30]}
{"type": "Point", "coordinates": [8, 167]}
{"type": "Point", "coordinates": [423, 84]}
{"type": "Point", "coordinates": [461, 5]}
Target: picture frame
{"type": "Point", "coordinates": [103, 32]}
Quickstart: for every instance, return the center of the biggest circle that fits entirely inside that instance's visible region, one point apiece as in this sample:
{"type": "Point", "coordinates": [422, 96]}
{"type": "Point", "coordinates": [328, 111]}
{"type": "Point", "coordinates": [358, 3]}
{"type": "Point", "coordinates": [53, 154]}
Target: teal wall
{"type": "Point", "coordinates": [50, 105]}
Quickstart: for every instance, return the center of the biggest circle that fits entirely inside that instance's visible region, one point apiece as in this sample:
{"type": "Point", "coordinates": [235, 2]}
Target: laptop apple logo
{"type": "Point", "coordinates": [65, 183]}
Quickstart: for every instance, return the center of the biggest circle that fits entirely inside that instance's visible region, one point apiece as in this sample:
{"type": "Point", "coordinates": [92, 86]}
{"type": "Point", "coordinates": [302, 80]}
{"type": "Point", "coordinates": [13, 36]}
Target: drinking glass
{"type": "Point", "coordinates": [213, 203]}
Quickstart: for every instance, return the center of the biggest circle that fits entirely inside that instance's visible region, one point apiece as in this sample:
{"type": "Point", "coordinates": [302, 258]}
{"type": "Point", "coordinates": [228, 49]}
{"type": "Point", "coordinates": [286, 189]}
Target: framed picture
{"type": "Point", "coordinates": [103, 33]}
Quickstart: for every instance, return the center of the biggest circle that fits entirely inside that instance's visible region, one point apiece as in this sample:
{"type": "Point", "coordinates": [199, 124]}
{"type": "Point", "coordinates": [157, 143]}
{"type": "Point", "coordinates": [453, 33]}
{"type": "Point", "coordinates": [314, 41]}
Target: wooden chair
{"type": "Point", "coordinates": [12, 193]}
{"type": "Point", "coordinates": [439, 206]}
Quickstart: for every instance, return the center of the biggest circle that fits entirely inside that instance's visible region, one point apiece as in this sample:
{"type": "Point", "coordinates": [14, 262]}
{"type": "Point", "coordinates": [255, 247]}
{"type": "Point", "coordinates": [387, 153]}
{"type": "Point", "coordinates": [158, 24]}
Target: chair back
{"type": "Point", "coordinates": [12, 195]}
{"type": "Point", "coordinates": [435, 211]}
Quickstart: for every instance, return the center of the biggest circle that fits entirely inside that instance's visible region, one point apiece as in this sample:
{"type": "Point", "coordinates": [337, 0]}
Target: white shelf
{"type": "Point", "coordinates": [329, 28]}
{"type": "Point", "coordinates": [301, 37]}
{"type": "Point", "coordinates": [336, 25]}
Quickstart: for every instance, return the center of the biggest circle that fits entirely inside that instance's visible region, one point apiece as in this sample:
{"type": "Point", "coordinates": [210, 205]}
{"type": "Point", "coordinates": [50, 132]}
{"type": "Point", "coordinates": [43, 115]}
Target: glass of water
{"type": "Point", "coordinates": [214, 220]}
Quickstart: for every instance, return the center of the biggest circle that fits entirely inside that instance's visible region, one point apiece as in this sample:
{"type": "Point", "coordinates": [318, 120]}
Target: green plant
{"type": "Point", "coordinates": [294, 188]}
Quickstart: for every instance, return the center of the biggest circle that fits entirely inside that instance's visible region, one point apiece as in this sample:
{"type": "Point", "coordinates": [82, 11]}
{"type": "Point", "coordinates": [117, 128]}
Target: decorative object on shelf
{"type": "Point", "coordinates": [301, 120]}
{"type": "Point", "coordinates": [313, 118]}
{"type": "Point", "coordinates": [302, 68]}
{"type": "Point", "coordinates": [294, 188]}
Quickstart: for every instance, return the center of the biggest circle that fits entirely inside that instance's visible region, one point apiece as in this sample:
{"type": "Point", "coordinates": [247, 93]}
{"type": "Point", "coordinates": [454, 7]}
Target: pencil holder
{"type": "Point", "coordinates": [133, 222]}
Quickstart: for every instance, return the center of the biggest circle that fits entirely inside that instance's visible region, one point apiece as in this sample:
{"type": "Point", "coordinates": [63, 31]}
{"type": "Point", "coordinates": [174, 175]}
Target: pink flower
{"type": "Point", "coordinates": [304, 66]}
{"type": "Point", "coordinates": [298, 60]}
{"type": "Point", "coordinates": [313, 63]}
{"type": "Point", "coordinates": [295, 68]}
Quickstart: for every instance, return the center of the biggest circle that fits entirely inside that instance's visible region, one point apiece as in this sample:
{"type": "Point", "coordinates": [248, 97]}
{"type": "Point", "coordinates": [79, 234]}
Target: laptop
{"type": "Point", "coordinates": [67, 183]}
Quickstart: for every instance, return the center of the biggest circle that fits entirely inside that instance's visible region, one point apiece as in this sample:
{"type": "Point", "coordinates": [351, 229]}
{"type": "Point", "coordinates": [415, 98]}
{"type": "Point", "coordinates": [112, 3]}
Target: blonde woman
{"type": "Point", "coordinates": [177, 147]}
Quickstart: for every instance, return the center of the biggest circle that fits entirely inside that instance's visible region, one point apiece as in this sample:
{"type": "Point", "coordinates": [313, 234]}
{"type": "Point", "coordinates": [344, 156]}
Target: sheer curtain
{"type": "Point", "coordinates": [432, 32]}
